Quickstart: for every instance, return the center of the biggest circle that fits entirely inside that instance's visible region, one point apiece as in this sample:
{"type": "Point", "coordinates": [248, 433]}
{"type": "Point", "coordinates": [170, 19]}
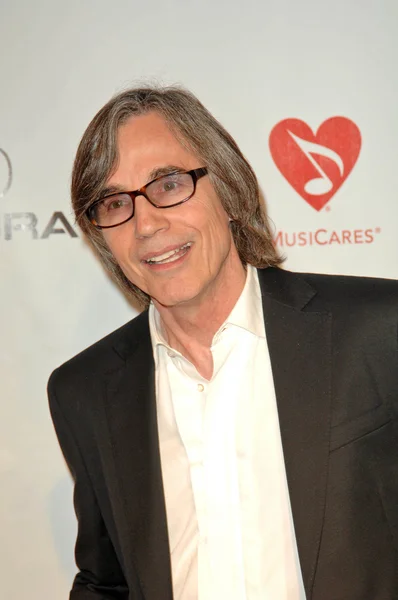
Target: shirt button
{"type": "Point", "coordinates": [201, 387]}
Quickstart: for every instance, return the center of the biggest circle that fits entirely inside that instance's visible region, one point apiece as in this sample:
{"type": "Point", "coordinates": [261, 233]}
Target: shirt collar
{"type": "Point", "coordinates": [246, 314]}
{"type": "Point", "coordinates": [155, 327]}
{"type": "Point", "coordinates": [248, 311]}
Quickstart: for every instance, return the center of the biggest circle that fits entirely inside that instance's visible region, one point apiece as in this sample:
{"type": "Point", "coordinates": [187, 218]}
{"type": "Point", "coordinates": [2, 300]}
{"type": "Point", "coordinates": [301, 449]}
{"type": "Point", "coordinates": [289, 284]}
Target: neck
{"type": "Point", "coordinates": [190, 327]}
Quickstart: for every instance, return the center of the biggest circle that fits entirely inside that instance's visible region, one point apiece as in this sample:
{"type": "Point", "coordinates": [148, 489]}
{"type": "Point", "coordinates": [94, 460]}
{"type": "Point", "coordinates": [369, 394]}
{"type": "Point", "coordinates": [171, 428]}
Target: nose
{"type": "Point", "coordinates": [148, 219]}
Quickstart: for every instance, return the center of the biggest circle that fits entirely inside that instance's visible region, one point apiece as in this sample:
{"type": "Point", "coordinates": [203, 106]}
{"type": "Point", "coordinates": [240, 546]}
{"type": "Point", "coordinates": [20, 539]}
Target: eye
{"type": "Point", "coordinates": [115, 202]}
{"type": "Point", "coordinates": [169, 185]}
{"type": "Point", "coordinates": [170, 189]}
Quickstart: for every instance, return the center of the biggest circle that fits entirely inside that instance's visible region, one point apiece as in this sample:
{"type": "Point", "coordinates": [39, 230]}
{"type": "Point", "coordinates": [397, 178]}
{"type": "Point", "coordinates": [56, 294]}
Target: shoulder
{"type": "Point", "coordinates": [364, 307]}
{"type": "Point", "coordinates": [361, 291]}
{"type": "Point", "coordinates": [363, 311]}
{"type": "Point", "coordinates": [335, 290]}
{"type": "Point", "coordinates": [102, 356]}
{"type": "Point", "coordinates": [356, 297]}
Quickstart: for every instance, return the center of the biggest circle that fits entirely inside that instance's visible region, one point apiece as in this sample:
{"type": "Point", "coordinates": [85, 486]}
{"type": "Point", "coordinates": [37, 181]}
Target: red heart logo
{"type": "Point", "coordinates": [315, 165]}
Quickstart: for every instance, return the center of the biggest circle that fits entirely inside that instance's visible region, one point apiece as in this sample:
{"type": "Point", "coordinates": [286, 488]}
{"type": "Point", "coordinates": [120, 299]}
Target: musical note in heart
{"type": "Point", "coordinates": [318, 185]}
{"type": "Point", "coordinates": [315, 165]}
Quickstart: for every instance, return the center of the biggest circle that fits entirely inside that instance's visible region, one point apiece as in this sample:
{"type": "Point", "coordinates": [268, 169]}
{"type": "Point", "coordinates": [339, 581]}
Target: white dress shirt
{"type": "Point", "coordinates": [228, 511]}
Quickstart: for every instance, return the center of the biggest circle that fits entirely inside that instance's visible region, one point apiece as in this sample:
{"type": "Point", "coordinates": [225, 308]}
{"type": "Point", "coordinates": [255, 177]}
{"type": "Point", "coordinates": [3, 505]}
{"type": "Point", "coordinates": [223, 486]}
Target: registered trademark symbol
{"type": "Point", "coordinates": [377, 230]}
{"type": "Point", "coordinates": [327, 209]}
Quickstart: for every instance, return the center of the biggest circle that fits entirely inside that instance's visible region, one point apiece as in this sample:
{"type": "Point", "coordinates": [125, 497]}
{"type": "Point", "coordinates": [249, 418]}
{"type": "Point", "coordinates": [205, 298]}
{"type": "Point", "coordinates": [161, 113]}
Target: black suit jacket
{"type": "Point", "coordinates": [333, 348]}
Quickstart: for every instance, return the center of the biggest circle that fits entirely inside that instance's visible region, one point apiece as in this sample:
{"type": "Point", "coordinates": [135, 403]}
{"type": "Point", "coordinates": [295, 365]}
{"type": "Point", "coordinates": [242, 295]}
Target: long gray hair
{"type": "Point", "coordinates": [196, 129]}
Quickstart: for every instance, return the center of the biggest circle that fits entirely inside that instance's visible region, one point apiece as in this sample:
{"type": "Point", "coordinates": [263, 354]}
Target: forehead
{"type": "Point", "coordinates": [147, 142]}
{"type": "Point", "coordinates": [138, 130]}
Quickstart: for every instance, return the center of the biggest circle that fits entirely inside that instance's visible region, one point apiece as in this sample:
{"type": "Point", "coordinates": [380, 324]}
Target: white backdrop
{"type": "Point", "coordinates": [254, 64]}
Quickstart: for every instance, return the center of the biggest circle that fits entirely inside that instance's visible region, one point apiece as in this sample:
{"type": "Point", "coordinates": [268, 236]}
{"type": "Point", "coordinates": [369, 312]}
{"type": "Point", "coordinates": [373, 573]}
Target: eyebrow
{"type": "Point", "coordinates": [153, 174]}
{"type": "Point", "coordinates": [112, 189]}
{"type": "Point", "coordinates": [166, 170]}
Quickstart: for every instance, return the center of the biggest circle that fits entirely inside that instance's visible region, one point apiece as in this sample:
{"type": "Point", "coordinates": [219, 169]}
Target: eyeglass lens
{"type": "Point", "coordinates": [165, 191]}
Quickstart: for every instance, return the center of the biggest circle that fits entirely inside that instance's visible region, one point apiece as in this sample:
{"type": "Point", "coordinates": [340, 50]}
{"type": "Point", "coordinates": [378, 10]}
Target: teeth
{"type": "Point", "coordinates": [167, 255]}
{"type": "Point", "coordinates": [163, 256]}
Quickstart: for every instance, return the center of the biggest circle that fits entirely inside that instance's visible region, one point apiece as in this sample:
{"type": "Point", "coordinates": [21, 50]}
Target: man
{"type": "Point", "coordinates": [237, 440]}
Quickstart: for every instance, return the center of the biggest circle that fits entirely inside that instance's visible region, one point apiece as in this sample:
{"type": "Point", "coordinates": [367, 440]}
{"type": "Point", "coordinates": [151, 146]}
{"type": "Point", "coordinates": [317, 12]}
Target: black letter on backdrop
{"type": "Point", "coordinates": [28, 225]}
{"type": "Point", "coordinates": [67, 228]}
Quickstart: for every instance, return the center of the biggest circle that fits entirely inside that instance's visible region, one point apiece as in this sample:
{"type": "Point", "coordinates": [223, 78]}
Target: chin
{"type": "Point", "coordinates": [175, 295]}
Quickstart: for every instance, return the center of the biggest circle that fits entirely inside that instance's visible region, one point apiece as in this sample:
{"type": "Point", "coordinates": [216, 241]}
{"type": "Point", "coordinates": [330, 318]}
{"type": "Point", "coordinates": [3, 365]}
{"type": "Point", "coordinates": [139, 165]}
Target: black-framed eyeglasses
{"type": "Point", "coordinates": [163, 192]}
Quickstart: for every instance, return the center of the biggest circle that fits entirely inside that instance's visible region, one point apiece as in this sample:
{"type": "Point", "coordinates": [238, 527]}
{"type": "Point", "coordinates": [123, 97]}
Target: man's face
{"type": "Point", "coordinates": [200, 225]}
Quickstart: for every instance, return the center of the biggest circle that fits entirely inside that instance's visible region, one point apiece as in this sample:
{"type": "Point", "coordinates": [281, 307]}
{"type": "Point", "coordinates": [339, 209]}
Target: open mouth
{"type": "Point", "coordinates": [169, 257]}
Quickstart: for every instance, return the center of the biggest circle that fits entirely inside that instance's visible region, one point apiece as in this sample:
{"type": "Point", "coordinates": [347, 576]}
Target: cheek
{"type": "Point", "coordinates": [216, 241]}
{"type": "Point", "coordinates": [211, 217]}
{"type": "Point", "coordinates": [120, 243]}
{"type": "Point", "coordinates": [218, 228]}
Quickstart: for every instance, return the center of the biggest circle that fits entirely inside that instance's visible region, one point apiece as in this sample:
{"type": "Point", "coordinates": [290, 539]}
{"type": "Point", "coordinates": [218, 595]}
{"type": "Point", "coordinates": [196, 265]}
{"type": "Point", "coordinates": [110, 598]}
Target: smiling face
{"type": "Point", "coordinates": [179, 255]}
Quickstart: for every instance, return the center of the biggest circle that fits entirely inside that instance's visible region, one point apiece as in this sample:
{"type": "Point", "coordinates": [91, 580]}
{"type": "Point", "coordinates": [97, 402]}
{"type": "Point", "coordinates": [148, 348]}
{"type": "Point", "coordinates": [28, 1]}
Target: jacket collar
{"type": "Point", "coordinates": [299, 341]}
{"type": "Point", "coordinates": [130, 407]}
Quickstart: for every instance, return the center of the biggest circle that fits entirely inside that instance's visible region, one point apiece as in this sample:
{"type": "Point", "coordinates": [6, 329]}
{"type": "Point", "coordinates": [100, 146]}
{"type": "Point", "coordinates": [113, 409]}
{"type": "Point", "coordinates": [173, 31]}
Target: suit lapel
{"type": "Point", "coordinates": [300, 349]}
{"type": "Point", "coordinates": [131, 415]}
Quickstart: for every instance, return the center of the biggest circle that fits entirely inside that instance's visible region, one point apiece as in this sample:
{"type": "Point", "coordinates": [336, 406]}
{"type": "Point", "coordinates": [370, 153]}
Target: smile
{"type": "Point", "coordinates": [169, 257]}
